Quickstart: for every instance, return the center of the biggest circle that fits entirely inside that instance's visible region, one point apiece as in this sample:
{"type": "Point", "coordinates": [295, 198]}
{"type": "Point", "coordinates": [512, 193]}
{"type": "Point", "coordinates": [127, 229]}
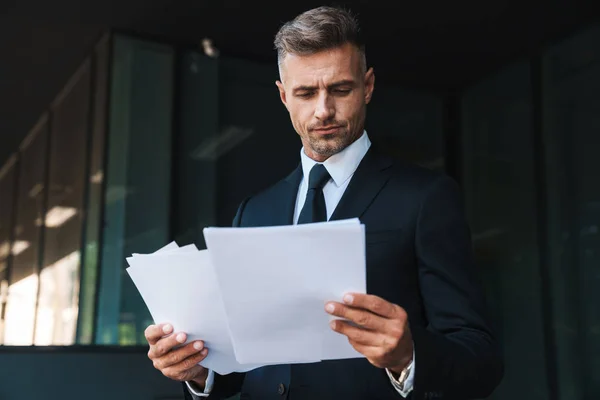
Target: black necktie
{"type": "Point", "coordinates": [314, 209]}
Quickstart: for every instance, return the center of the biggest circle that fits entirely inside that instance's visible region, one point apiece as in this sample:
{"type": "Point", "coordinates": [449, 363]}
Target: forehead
{"type": "Point", "coordinates": [340, 63]}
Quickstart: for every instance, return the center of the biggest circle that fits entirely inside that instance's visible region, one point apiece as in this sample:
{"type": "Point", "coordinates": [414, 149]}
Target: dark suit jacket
{"type": "Point", "coordinates": [419, 256]}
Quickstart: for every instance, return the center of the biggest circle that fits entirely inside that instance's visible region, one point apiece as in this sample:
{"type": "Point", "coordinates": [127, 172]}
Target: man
{"type": "Point", "coordinates": [421, 327]}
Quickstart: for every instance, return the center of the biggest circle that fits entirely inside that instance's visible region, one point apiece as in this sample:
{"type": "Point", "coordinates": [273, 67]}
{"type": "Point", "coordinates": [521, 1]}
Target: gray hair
{"type": "Point", "coordinates": [319, 29]}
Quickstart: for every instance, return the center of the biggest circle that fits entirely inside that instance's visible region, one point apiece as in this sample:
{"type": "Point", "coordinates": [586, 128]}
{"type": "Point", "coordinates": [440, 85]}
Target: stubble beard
{"type": "Point", "coordinates": [328, 145]}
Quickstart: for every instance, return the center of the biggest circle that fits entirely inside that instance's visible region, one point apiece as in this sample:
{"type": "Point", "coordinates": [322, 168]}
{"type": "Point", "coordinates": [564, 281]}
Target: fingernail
{"type": "Point", "coordinates": [198, 345]}
{"type": "Point", "coordinates": [167, 328]}
{"type": "Point", "coordinates": [332, 324]}
{"type": "Point", "coordinates": [329, 307]}
{"type": "Point", "coordinates": [348, 299]}
{"type": "Point", "coordinates": [203, 352]}
{"type": "Point", "coordinates": [181, 337]}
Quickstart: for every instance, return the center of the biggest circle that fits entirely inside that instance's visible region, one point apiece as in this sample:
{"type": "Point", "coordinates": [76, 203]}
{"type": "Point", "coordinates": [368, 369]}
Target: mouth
{"type": "Point", "coordinates": [327, 130]}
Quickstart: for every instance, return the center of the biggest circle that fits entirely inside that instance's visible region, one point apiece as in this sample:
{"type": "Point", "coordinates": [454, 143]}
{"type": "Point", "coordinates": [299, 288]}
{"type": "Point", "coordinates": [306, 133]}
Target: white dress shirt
{"type": "Point", "coordinates": [341, 167]}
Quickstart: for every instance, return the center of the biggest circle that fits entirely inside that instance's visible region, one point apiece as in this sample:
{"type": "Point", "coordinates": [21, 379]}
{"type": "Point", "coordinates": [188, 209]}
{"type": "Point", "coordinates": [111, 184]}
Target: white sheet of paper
{"type": "Point", "coordinates": [170, 248]}
{"type": "Point", "coordinates": [275, 282]}
{"type": "Point", "coordinates": [179, 286]}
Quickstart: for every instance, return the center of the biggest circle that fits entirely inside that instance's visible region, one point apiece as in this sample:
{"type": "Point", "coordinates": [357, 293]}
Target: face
{"type": "Point", "coordinates": [326, 95]}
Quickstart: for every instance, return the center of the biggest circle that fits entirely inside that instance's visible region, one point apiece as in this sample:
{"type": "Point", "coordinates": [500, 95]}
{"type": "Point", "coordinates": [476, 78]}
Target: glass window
{"type": "Point", "coordinates": [58, 301]}
{"type": "Point", "coordinates": [196, 148]}
{"type": "Point", "coordinates": [571, 132]}
{"type": "Point", "coordinates": [30, 211]}
{"type": "Point", "coordinates": [95, 178]}
{"type": "Point", "coordinates": [500, 190]}
{"type": "Point", "coordinates": [138, 181]}
{"type": "Point", "coordinates": [8, 174]}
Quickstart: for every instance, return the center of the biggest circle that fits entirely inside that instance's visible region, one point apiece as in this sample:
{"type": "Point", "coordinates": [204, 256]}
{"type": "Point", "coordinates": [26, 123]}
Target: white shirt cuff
{"type": "Point", "coordinates": [408, 384]}
{"type": "Point", "coordinates": [210, 380]}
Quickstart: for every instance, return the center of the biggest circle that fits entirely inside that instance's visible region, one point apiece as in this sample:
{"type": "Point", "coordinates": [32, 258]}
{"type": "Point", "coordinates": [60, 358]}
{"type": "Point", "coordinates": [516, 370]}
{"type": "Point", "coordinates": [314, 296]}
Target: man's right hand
{"type": "Point", "coordinates": [181, 363]}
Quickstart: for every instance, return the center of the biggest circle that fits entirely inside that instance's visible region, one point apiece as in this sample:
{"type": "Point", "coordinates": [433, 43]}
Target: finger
{"type": "Point", "coordinates": [177, 356]}
{"type": "Point", "coordinates": [166, 344]}
{"type": "Point", "coordinates": [361, 317]}
{"type": "Point", "coordinates": [373, 303]}
{"type": "Point", "coordinates": [187, 369]}
{"type": "Point", "coordinates": [154, 333]}
{"type": "Point", "coordinates": [356, 334]}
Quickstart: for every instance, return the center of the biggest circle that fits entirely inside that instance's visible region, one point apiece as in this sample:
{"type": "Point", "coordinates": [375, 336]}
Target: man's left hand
{"type": "Point", "coordinates": [380, 331]}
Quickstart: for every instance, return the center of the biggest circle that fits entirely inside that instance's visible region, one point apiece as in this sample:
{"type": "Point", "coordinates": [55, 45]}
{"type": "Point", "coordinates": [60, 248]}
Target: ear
{"type": "Point", "coordinates": [281, 93]}
{"type": "Point", "coordinates": [369, 85]}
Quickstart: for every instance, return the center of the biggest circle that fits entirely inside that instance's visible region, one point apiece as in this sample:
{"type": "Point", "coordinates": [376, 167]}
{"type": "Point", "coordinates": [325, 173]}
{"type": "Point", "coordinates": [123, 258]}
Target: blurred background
{"type": "Point", "coordinates": [129, 124]}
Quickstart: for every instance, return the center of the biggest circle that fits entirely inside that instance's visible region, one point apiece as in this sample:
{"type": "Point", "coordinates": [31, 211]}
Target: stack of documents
{"type": "Point", "coordinates": [257, 296]}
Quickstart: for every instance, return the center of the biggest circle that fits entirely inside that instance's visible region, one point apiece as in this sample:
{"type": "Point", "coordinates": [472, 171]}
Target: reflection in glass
{"type": "Point", "coordinates": [89, 272]}
{"type": "Point", "coordinates": [57, 304]}
{"type": "Point", "coordinates": [23, 279]}
{"type": "Point", "coordinates": [59, 278]}
{"type": "Point", "coordinates": [19, 246]}
{"type": "Point", "coordinates": [4, 252]}
{"type": "Point", "coordinates": [58, 216]}
{"type": "Point", "coordinates": [137, 179]}
{"type": "Point", "coordinates": [20, 312]}
{"type": "Point", "coordinates": [3, 299]}
{"type": "Point", "coordinates": [8, 174]}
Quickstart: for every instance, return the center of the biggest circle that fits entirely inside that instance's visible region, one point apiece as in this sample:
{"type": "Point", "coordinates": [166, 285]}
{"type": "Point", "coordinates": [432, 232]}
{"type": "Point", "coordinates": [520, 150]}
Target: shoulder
{"type": "Point", "coordinates": [415, 179]}
{"type": "Point", "coordinates": [423, 190]}
{"type": "Point", "coordinates": [269, 204]}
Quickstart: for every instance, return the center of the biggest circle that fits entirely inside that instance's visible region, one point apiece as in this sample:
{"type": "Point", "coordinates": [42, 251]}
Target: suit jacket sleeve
{"type": "Point", "coordinates": [228, 385]}
{"type": "Point", "coordinates": [458, 355]}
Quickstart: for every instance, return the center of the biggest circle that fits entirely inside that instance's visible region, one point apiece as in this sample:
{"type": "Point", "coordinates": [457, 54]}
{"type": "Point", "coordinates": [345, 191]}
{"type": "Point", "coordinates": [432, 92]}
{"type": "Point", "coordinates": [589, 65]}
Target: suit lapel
{"type": "Point", "coordinates": [289, 193]}
{"type": "Point", "coordinates": [367, 181]}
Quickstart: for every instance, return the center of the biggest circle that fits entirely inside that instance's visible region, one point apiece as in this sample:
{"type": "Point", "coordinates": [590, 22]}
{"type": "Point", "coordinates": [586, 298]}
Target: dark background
{"type": "Point", "coordinates": [500, 94]}
{"type": "Point", "coordinates": [435, 45]}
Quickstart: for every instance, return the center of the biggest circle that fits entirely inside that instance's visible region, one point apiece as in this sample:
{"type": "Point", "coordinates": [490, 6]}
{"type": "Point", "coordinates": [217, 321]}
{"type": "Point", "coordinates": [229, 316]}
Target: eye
{"type": "Point", "coordinates": [341, 91]}
{"type": "Point", "coordinates": [304, 95]}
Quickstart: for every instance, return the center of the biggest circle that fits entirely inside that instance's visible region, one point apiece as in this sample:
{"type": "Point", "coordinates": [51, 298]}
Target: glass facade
{"type": "Point", "coordinates": [137, 196]}
{"type": "Point", "coordinates": [148, 143]}
{"type": "Point", "coordinates": [58, 297]}
{"type": "Point", "coordinates": [500, 194]}
{"type": "Point", "coordinates": [529, 143]}
{"type": "Point", "coordinates": [571, 124]}
{"type": "Point", "coordinates": [95, 187]}
{"type": "Point", "coordinates": [30, 211]}
{"type": "Point", "coordinates": [8, 175]}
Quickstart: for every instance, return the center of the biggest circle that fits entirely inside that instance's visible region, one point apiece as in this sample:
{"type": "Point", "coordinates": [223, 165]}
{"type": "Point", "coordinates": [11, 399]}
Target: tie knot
{"type": "Point", "coordinates": [318, 177]}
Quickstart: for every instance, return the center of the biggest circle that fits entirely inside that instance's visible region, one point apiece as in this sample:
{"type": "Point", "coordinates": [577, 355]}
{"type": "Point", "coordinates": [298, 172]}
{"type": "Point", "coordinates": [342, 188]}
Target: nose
{"type": "Point", "coordinates": [325, 107]}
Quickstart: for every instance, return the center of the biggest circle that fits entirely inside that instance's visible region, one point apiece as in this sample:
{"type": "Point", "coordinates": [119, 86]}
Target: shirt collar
{"type": "Point", "coordinates": [341, 165]}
